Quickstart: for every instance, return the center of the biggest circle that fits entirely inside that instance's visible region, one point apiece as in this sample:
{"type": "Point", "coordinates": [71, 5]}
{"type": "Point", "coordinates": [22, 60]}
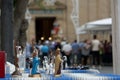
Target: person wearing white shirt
{"type": "Point", "coordinates": [95, 51]}
{"type": "Point", "coordinates": [67, 48]}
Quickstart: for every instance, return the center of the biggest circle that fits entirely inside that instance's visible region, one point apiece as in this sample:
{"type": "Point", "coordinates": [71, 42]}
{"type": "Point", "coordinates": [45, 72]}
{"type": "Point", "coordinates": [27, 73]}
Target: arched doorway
{"type": "Point", "coordinates": [43, 27]}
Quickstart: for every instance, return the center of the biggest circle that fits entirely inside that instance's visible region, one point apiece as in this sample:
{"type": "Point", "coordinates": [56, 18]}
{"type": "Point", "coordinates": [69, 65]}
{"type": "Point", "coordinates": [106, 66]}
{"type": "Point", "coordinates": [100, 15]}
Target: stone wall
{"type": "Point", "coordinates": [90, 10]}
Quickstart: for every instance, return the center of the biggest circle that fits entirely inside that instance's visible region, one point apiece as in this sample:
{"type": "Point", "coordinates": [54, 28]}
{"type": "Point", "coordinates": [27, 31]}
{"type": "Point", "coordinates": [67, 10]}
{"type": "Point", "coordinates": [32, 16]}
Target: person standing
{"type": "Point", "coordinates": [95, 51]}
{"type": "Point", "coordinates": [75, 53]}
{"type": "Point", "coordinates": [85, 52]}
{"type": "Point", "coordinates": [45, 52]}
{"type": "Point", "coordinates": [67, 48]}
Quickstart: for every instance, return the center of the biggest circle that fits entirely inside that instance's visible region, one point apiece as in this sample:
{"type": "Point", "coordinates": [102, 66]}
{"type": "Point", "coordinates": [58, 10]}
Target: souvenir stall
{"type": "Point", "coordinates": [52, 71]}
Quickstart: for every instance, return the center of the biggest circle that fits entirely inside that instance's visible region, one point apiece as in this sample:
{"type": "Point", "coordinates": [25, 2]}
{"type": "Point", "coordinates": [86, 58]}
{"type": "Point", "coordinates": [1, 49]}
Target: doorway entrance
{"type": "Point", "coordinates": [44, 25]}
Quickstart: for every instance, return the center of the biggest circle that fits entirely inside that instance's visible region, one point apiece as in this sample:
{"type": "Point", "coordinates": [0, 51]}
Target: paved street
{"type": "Point", "coordinates": [106, 69]}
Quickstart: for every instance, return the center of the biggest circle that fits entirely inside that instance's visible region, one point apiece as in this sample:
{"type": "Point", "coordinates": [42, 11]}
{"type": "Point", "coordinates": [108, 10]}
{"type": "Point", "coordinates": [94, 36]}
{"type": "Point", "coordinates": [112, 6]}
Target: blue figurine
{"type": "Point", "coordinates": [35, 63]}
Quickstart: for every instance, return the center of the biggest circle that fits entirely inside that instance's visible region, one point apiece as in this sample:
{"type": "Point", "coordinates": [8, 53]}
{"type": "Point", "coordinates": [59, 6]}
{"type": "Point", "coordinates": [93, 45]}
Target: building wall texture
{"type": "Point", "coordinates": [89, 10]}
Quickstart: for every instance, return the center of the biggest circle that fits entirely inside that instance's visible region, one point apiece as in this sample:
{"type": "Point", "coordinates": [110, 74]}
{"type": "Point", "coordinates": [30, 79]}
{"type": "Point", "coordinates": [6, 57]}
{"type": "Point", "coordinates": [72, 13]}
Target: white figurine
{"type": "Point", "coordinates": [45, 63]}
{"type": "Point", "coordinates": [51, 67]}
{"type": "Point", "coordinates": [64, 62]}
{"type": "Point", "coordinates": [21, 58]}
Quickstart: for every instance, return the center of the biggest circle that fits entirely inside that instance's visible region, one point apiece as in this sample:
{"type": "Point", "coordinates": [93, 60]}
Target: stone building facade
{"type": "Point", "coordinates": [89, 10]}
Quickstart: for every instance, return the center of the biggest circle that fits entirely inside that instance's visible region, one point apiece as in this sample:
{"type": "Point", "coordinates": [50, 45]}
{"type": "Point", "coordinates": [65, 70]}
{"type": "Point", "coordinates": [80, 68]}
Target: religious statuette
{"type": "Point", "coordinates": [58, 62]}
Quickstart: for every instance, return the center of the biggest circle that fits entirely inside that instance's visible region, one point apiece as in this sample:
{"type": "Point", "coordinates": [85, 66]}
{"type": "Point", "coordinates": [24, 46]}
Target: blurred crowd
{"type": "Point", "coordinates": [92, 53]}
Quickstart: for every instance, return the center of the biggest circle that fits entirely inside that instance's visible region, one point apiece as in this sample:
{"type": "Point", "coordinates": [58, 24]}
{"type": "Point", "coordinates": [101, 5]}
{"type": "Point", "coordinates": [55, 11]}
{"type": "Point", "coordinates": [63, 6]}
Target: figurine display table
{"type": "Point", "coordinates": [68, 75]}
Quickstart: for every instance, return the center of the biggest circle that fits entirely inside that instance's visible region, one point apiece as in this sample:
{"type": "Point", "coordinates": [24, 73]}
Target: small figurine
{"type": "Point", "coordinates": [35, 65]}
{"type": "Point", "coordinates": [16, 73]}
{"type": "Point", "coordinates": [51, 66]}
{"type": "Point", "coordinates": [51, 63]}
{"type": "Point", "coordinates": [58, 62]}
{"type": "Point", "coordinates": [45, 63]}
{"type": "Point", "coordinates": [64, 62]}
{"type": "Point", "coordinates": [21, 59]}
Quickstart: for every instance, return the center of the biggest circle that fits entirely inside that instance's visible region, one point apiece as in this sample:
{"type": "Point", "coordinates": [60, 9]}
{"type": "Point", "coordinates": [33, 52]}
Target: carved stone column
{"type": "Point", "coordinates": [116, 35]}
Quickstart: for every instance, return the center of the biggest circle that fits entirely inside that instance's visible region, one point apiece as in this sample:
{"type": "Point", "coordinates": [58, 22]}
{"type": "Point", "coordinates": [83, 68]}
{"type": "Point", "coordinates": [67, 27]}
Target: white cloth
{"type": "Point", "coordinates": [9, 68]}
